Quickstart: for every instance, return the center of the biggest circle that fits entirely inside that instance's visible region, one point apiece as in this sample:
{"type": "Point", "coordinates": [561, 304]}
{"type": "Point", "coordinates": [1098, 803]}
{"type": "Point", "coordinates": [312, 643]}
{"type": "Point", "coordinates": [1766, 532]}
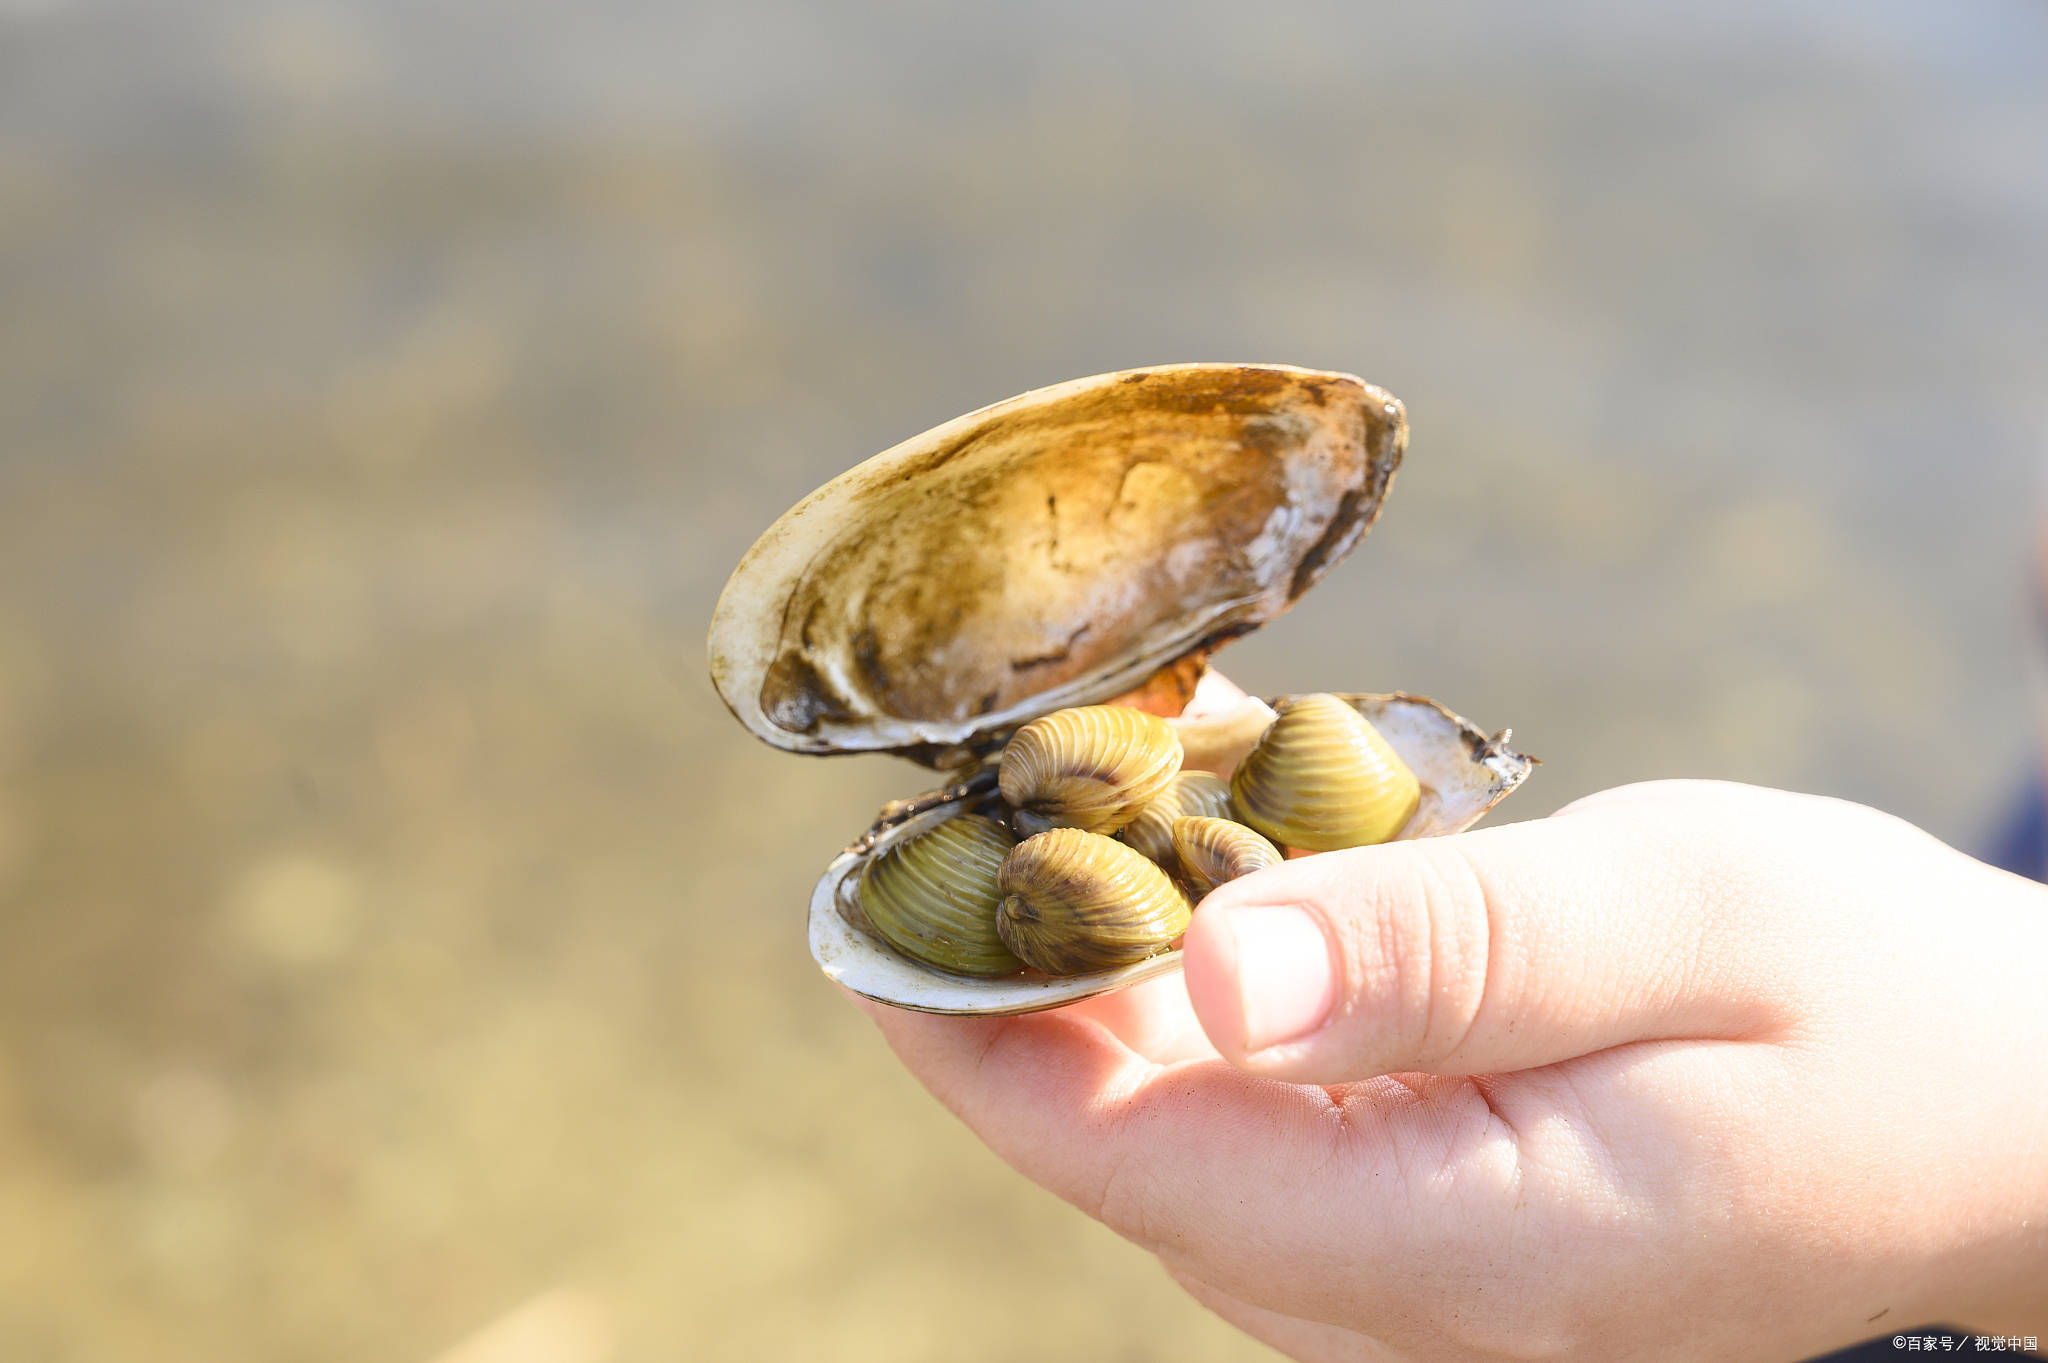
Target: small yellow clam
{"type": "Point", "coordinates": [1213, 851]}
{"type": "Point", "coordinates": [1091, 767]}
{"type": "Point", "coordinates": [935, 896]}
{"type": "Point", "coordinates": [1076, 902]}
{"type": "Point", "coordinates": [1322, 778]}
{"type": "Point", "coordinates": [1190, 793]}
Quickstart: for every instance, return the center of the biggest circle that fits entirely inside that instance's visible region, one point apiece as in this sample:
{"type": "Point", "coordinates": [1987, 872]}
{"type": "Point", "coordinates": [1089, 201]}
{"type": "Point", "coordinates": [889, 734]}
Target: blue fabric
{"type": "Point", "coordinates": [2021, 845]}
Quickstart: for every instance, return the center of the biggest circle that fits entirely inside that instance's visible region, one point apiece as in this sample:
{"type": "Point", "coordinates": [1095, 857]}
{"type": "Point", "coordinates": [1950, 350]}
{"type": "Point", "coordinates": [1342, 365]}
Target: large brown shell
{"type": "Point", "coordinates": [1053, 550]}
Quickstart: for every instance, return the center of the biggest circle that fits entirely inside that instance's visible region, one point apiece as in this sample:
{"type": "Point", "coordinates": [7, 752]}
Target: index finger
{"type": "Point", "coordinates": [1197, 1161]}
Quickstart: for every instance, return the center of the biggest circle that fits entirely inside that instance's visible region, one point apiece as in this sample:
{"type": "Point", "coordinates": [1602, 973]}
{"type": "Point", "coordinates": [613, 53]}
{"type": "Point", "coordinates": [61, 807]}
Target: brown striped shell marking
{"type": "Point", "coordinates": [1322, 778]}
{"type": "Point", "coordinates": [1214, 851]}
{"type": "Point", "coordinates": [1075, 902]}
{"type": "Point", "coordinates": [1092, 767]}
{"type": "Point", "coordinates": [934, 897]}
{"type": "Point", "coordinates": [1194, 793]}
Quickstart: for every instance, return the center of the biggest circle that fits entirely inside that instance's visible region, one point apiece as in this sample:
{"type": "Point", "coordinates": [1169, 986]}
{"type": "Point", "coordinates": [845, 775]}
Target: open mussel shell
{"type": "Point", "coordinates": [1061, 548]}
{"type": "Point", "coordinates": [1463, 773]}
{"type": "Point", "coordinates": [1085, 543]}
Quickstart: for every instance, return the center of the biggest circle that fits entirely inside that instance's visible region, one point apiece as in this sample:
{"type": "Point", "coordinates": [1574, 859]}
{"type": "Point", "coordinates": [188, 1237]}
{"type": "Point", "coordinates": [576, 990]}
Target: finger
{"type": "Point", "coordinates": [1152, 1019]}
{"type": "Point", "coordinates": [1145, 1148]}
{"type": "Point", "coordinates": [1499, 950]}
{"type": "Point", "coordinates": [1230, 1173]}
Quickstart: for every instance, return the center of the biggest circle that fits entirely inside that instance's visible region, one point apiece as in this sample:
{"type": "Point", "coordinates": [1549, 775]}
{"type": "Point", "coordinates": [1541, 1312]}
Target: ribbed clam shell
{"type": "Point", "coordinates": [1076, 902]}
{"type": "Point", "coordinates": [1195, 793]}
{"type": "Point", "coordinates": [1092, 767]}
{"type": "Point", "coordinates": [1213, 851]}
{"type": "Point", "coordinates": [934, 896]}
{"type": "Point", "coordinates": [1463, 771]}
{"type": "Point", "coordinates": [1322, 778]}
{"type": "Point", "coordinates": [1058, 548]}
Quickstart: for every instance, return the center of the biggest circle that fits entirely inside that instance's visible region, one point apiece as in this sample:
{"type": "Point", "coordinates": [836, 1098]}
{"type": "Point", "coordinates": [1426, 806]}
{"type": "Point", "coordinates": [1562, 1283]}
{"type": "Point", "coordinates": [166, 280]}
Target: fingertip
{"type": "Point", "coordinates": [1260, 975]}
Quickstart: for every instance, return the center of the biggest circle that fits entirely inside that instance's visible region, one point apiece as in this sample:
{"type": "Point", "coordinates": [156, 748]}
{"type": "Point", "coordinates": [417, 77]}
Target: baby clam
{"type": "Point", "coordinates": [1076, 902]}
{"type": "Point", "coordinates": [1092, 767]}
{"type": "Point", "coordinates": [1189, 793]}
{"type": "Point", "coordinates": [935, 896]}
{"type": "Point", "coordinates": [1322, 778]}
{"type": "Point", "coordinates": [1213, 851]}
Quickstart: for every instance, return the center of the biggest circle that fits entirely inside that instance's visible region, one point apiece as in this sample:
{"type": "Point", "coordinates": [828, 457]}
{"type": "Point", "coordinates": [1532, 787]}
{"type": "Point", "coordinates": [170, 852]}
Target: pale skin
{"type": "Point", "coordinates": [1686, 1070]}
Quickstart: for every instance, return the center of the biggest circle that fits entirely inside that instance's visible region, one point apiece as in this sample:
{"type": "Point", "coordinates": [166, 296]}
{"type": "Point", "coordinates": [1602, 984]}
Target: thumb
{"type": "Point", "coordinates": [1484, 952]}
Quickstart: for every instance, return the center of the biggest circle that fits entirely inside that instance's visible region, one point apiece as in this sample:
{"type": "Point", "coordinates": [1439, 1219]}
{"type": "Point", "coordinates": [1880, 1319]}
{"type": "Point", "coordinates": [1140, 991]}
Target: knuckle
{"type": "Point", "coordinates": [1461, 917]}
{"type": "Point", "coordinates": [1414, 963]}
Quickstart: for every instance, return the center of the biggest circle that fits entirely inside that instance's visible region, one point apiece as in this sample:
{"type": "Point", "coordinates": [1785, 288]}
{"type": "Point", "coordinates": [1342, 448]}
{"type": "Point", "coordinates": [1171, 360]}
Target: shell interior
{"type": "Point", "coordinates": [1053, 550]}
{"type": "Point", "coordinates": [1463, 772]}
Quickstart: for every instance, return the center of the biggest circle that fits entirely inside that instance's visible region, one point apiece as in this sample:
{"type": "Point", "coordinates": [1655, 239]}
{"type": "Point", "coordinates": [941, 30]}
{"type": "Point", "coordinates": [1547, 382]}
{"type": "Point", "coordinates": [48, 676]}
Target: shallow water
{"type": "Point", "coordinates": [397, 939]}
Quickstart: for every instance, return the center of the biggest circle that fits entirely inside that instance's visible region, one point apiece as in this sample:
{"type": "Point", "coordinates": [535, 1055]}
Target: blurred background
{"type": "Point", "coordinates": [401, 950]}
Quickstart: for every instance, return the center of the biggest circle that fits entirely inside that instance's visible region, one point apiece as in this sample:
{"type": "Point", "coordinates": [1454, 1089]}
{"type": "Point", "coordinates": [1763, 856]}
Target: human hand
{"type": "Point", "coordinates": [1688, 1070]}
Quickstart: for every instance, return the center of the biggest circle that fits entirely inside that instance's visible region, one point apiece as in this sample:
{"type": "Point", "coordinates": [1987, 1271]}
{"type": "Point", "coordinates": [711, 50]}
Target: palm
{"type": "Point", "coordinates": [1244, 1186]}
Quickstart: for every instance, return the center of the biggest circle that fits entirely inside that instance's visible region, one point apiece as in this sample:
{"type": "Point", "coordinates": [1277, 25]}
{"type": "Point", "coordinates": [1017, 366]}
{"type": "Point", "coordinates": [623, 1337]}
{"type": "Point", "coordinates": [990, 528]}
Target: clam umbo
{"type": "Point", "coordinates": [1075, 902]}
{"type": "Point", "coordinates": [1322, 778]}
{"type": "Point", "coordinates": [935, 896]}
{"type": "Point", "coordinates": [1215, 851]}
{"type": "Point", "coordinates": [1189, 793]}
